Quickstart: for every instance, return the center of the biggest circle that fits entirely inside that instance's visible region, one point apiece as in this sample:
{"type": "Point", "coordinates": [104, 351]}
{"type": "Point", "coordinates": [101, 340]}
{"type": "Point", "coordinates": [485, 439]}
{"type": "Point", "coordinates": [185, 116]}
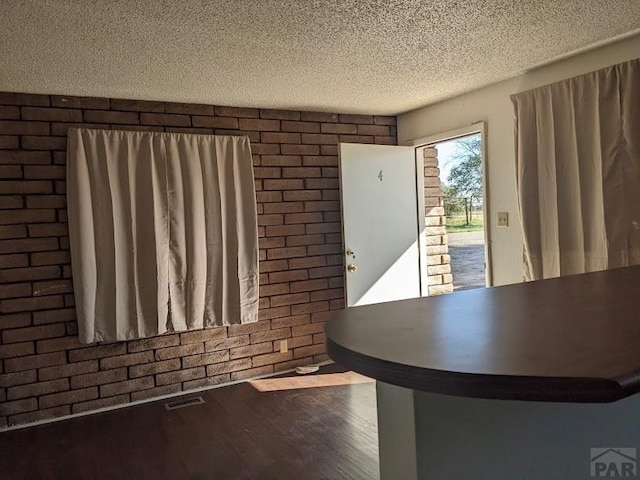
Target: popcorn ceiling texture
{"type": "Point", "coordinates": [347, 56]}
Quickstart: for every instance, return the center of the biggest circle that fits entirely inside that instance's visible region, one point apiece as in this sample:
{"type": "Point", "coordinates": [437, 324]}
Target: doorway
{"type": "Point", "coordinates": [462, 179]}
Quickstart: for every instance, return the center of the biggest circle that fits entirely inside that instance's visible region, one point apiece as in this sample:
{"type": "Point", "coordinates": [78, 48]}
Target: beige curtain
{"type": "Point", "coordinates": [163, 232]}
{"type": "Point", "coordinates": [578, 172]}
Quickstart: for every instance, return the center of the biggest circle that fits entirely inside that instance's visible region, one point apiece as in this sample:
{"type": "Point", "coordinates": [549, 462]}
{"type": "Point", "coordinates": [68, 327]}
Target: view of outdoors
{"type": "Point", "coordinates": [461, 176]}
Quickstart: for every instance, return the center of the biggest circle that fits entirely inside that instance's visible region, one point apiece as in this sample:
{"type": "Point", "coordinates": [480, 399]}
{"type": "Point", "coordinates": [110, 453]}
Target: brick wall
{"type": "Point", "coordinates": [438, 259]}
{"type": "Point", "coordinates": [45, 373]}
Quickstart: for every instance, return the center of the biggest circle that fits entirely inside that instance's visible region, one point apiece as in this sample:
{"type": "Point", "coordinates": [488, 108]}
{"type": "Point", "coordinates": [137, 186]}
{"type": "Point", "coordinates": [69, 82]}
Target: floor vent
{"type": "Point", "coordinates": [187, 402]}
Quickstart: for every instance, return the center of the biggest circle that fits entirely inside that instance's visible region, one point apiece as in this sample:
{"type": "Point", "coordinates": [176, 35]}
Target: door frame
{"type": "Point", "coordinates": [474, 128]}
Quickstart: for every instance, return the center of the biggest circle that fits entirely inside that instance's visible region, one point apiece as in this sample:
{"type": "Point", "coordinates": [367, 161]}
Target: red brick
{"type": "Point", "coordinates": [165, 119]}
{"type": "Point", "coordinates": [198, 336]}
{"type": "Point", "coordinates": [301, 172]}
{"type": "Point", "coordinates": [215, 122]}
{"type": "Point", "coordinates": [44, 172]}
{"type": "Point", "coordinates": [54, 316]}
{"type": "Point", "coordinates": [44, 143]}
{"type": "Point", "coordinates": [307, 262]}
{"type": "Point", "coordinates": [15, 320]}
{"type": "Point", "coordinates": [20, 157]}
{"type": "Point", "coordinates": [111, 389]}
{"type": "Point", "coordinates": [51, 114]}
{"type": "Point", "coordinates": [280, 114]}
{"type": "Point", "coordinates": [227, 343]}
{"type": "Point", "coordinates": [237, 112]}
{"type": "Point", "coordinates": [100, 403]}
{"type": "Point", "coordinates": [374, 130]}
{"type": "Point", "coordinates": [361, 119]}
{"type": "Point", "coordinates": [13, 141]}
{"type": "Point", "coordinates": [10, 171]}
{"type": "Point", "coordinates": [392, 140]}
{"type": "Point", "coordinates": [310, 350]}
{"type": "Point", "coordinates": [250, 350]}
{"type": "Point", "coordinates": [15, 290]}
{"type": "Point", "coordinates": [18, 378]}
{"type": "Point", "coordinates": [50, 258]}
{"type": "Point", "coordinates": [320, 183]}
{"type": "Point", "coordinates": [8, 217]}
{"type": "Point", "coordinates": [247, 328]}
{"type": "Point", "coordinates": [252, 373]}
{"type": "Point", "coordinates": [329, 249]}
{"type": "Point", "coordinates": [322, 206]}
{"type": "Point", "coordinates": [205, 359]}
{"type": "Point", "coordinates": [183, 375]}
{"type": "Point", "coordinates": [153, 343]}
{"type": "Point", "coordinates": [97, 351]}
{"type": "Point", "coordinates": [9, 201]}
{"type": "Point", "coordinates": [99, 116]}
{"type": "Point", "coordinates": [309, 308]}
{"type": "Point", "coordinates": [281, 160]}
{"type": "Point", "coordinates": [80, 102]}
{"type": "Point", "coordinates": [320, 117]}
{"type": "Point", "coordinates": [25, 187]}
{"type": "Point", "coordinates": [34, 361]}
{"type": "Point", "coordinates": [356, 139]}
{"type": "Point", "coordinates": [339, 128]}
{"type": "Point", "coordinates": [137, 105]}
{"type": "Point", "coordinates": [277, 137]}
{"type": "Point", "coordinates": [32, 333]}
{"type": "Point", "coordinates": [260, 124]}
{"type": "Point", "coordinates": [227, 367]}
{"type": "Point", "coordinates": [297, 218]}
{"type": "Point", "coordinates": [302, 195]}
{"type": "Point", "coordinates": [299, 149]}
{"type": "Point", "coordinates": [319, 138]}
{"type": "Point", "coordinates": [296, 342]}
{"type": "Point", "coordinates": [274, 266]}
{"type": "Point", "coordinates": [154, 368]}
{"type": "Point", "coordinates": [126, 360]}
{"type": "Point", "coordinates": [46, 414]}
{"type": "Point", "coordinates": [282, 230]}
{"type": "Point", "coordinates": [16, 350]}
{"type": "Point", "coordinates": [37, 389]}
{"type": "Point", "coordinates": [30, 304]}
{"type": "Point", "coordinates": [271, 358]}
{"type": "Point", "coordinates": [319, 161]}
{"type": "Point", "coordinates": [19, 406]}
{"type": "Point", "coordinates": [290, 299]}
{"type": "Point", "coordinates": [265, 148]}
{"type": "Point", "coordinates": [98, 378]}
{"type": "Point", "coordinates": [289, 184]}
{"type": "Point", "coordinates": [301, 127]}
{"type": "Point", "coordinates": [72, 396]}
{"type": "Point", "coordinates": [29, 273]}
{"type": "Point", "coordinates": [323, 228]}
{"type": "Point", "coordinates": [16, 127]}
{"type": "Point", "coordinates": [9, 113]}
{"type": "Point", "coordinates": [61, 371]}
{"type": "Point", "coordinates": [181, 351]}
{"type": "Point", "coordinates": [52, 287]}
{"type": "Point", "coordinates": [189, 108]}
{"type": "Point", "coordinates": [267, 172]}
{"type": "Point", "coordinates": [384, 120]}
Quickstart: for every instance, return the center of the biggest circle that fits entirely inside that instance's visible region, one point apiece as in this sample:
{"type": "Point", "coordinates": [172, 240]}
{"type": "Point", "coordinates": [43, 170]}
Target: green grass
{"type": "Point", "coordinates": [457, 224]}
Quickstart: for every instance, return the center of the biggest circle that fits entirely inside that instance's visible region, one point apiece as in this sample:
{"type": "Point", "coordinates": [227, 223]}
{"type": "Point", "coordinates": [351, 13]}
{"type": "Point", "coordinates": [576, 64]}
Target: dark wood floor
{"type": "Point", "coordinates": [239, 433]}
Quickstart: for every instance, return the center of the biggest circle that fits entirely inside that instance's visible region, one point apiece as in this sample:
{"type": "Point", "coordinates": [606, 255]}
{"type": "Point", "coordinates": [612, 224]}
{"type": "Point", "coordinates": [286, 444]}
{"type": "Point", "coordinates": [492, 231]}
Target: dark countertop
{"type": "Point", "coordinates": [569, 339]}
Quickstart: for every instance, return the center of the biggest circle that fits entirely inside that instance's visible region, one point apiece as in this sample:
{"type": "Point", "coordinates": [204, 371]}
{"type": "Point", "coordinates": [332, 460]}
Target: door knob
{"type": "Point", "coordinates": [352, 268]}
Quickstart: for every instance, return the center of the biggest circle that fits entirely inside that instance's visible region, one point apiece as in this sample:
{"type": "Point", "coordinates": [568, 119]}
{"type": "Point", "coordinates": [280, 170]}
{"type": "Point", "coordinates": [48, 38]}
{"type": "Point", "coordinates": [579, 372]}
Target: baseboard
{"type": "Point", "coordinates": [150, 400]}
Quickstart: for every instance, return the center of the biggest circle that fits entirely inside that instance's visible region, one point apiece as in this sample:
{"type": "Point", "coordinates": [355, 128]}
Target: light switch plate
{"type": "Point", "coordinates": [503, 219]}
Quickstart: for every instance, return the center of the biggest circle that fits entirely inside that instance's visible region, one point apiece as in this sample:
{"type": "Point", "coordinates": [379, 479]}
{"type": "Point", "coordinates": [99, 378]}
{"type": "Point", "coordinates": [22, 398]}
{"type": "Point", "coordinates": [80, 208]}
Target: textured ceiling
{"type": "Point", "coordinates": [360, 56]}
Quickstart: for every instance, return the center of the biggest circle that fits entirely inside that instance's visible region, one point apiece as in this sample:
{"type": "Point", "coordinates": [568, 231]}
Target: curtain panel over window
{"type": "Point", "coordinates": [163, 232]}
{"type": "Point", "coordinates": [578, 172]}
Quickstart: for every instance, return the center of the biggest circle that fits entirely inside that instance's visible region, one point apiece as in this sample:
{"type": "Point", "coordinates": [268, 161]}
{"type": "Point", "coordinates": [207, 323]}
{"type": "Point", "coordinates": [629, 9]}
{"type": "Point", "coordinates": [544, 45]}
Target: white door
{"type": "Point", "coordinates": [380, 223]}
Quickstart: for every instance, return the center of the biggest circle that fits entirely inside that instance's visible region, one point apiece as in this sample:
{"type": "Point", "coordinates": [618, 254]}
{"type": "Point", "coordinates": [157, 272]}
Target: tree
{"type": "Point", "coordinates": [466, 176]}
{"type": "Point", "coordinates": [451, 198]}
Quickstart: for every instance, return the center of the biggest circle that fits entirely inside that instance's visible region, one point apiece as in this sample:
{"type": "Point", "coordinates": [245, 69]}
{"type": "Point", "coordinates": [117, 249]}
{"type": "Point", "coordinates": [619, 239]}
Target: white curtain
{"type": "Point", "coordinates": [578, 172]}
{"type": "Point", "coordinates": [163, 232]}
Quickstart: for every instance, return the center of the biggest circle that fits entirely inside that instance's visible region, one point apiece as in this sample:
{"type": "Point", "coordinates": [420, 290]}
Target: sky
{"type": "Point", "coordinates": [445, 162]}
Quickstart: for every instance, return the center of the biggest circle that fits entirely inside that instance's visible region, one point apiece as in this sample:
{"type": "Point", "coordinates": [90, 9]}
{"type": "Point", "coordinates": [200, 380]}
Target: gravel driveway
{"type": "Point", "coordinates": [467, 259]}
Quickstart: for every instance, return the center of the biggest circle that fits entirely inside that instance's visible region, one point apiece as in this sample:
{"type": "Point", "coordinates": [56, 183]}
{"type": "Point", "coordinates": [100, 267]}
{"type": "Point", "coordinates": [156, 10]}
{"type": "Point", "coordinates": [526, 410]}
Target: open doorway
{"type": "Point", "coordinates": [462, 180]}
